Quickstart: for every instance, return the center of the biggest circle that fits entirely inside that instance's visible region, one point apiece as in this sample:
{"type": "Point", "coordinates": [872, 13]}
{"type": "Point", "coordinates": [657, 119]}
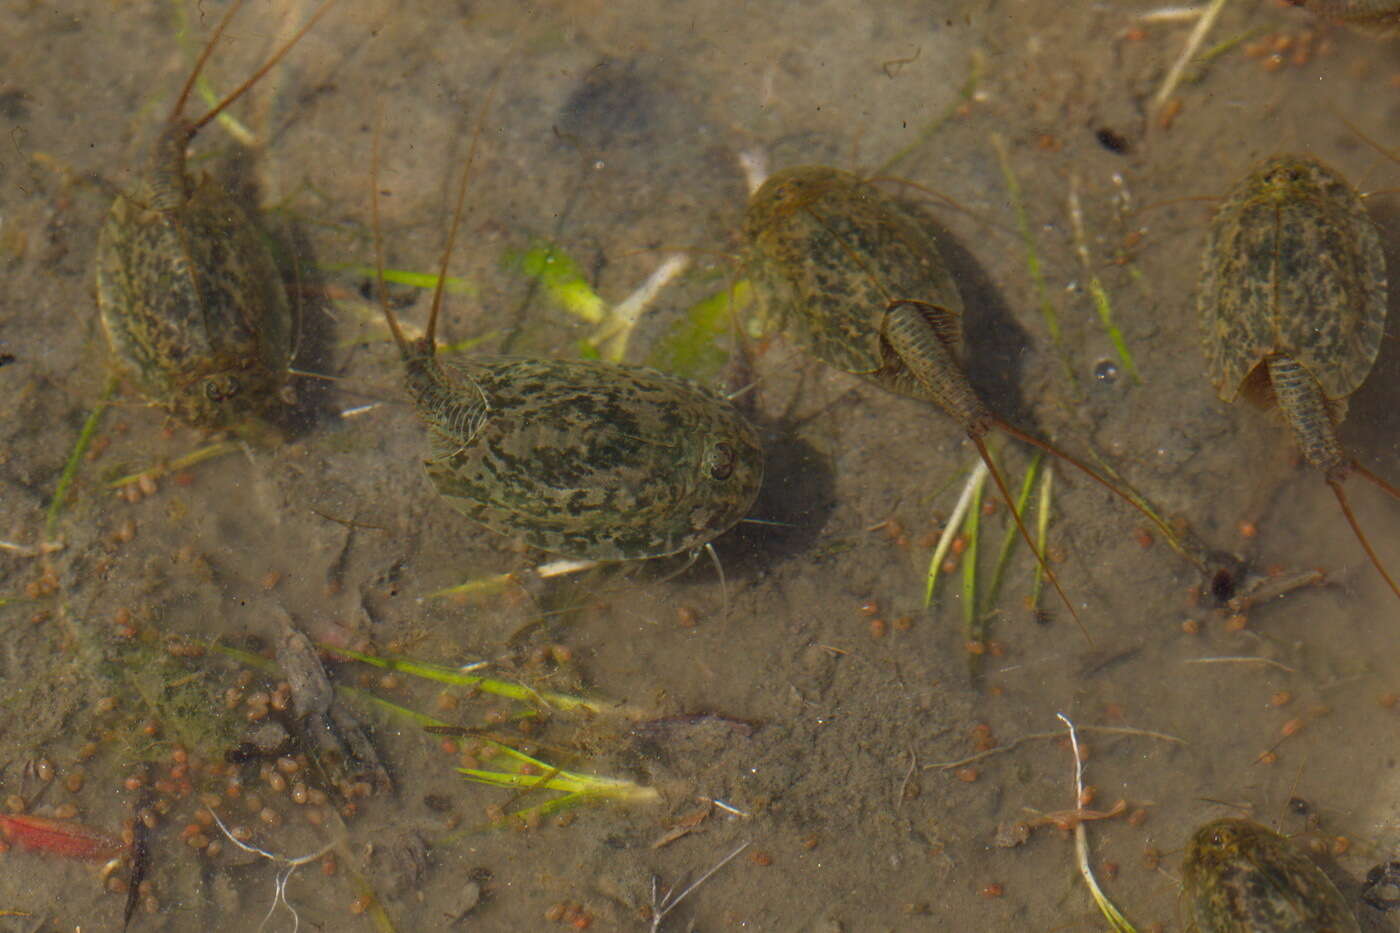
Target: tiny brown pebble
{"type": "Point", "coordinates": [390, 682]}
{"type": "Point", "coordinates": [1341, 845]}
{"type": "Point", "coordinates": [1266, 758]}
{"type": "Point", "coordinates": [87, 750]}
{"type": "Point", "coordinates": [328, 864]}
{"type": "Point", "coordinates": [959, 545]}
{"type": "Point", "coordinates": [869, 608]}
{"type": "Point", "coordinates": [134, 782]}
{"type": "Point", "coordinates": [131, 494]}
{"type": "Point", "coordinates": [148, 818]}
{"type": "Point", "coordinates": [299, 793]}
{"type": "Point", "coordinates": [1137, 817]}
{"type": "Point", "coordinates": [43, 768]}
{"type": "Point", "coordinates": [74, 782]}
{"type": "Point", "coordinates": [976, 647]}
{"type": "Point", "coordinates": [686, 617]}
{"type": "Point", "coordinates": [270, 816]}
{"type": "Point", "coordinates": [1292, 727]}
{"type": "Point", "coordinates": [1143, 537]}
{"type": "Point", "coordinates": [214, 849]}
{"type": "Point", "coordinates": [1087, 795]}
{"type": "Point", "coordinates": [996, 649]}
{"type": "Point", "coordinates": [561, 654]}
{"type": "Point", "coordinates": [1236, 623]}
{"type": "Point", "coordinates": [812, 841]}
{"type": "Point", "coordinates": [903, 623]}
{"type": "Point", "coordinates": [878, 628]}
{"type": "Point", "coordinates": [555, 913]}
{"type": "Point", "coordinates": [150, 905]}
{"type": "Point", "coordinates": [1110, 870]}
{"type": "Point", "coordinates": [125, 532]}
{"type": "Point", "coordinates": [65, 811]}
{"type": "Point", "coordinates": [1248, 529]}
{"type": "Point", "coordinates": [288, 765]}
{"type": "Point", "coordinates": [968, 775]}
{"type": "Point", "coordinates": [271, 579]}
{"type": "Point", "coordinates": [361, 904]}
{"type": "Point", "coordinates": [563, 820]}
{"type": "Point", "coordinates": [1191, 626]}
{"type": "Point", "coordinates": [147, 484]}
{"type": "Point", "coordinates": [992, 890]}
{"type": "Point", "coordinates": [106, 704]}
{"type": "Point", "coordinates": [1151, 857]}
{"type": "Point", "coordinates": [1388, 700]}
{"type": "Point", "coordinates": [761, 859]}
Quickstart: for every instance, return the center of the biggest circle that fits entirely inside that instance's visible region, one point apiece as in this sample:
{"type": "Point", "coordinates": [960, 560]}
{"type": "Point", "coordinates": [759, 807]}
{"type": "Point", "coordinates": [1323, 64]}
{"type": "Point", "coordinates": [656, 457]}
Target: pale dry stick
{"type": "Point", "coordinates": [950, 529]}
{"type": "Point", "coordinates": [1081, 840]}
{"type": "Point", "coordinates": [1037, 736]}
{"type": "Point", "coordinates": [661, 907]}
{"type": "Point", "coordinates": [283, 874]}
{"type": "Point", "coordinates": [1243, 659]}
{"type": "Point", "coordinates": [1193, 43]}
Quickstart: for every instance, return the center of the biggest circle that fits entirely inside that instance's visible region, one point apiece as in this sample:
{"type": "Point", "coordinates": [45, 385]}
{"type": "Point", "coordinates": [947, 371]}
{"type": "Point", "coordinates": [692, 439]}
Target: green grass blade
{"type": "Point", "coordinates": [75, 459]}
{"type": "Point", "coordinates": [1105, 311]}
{"type": "Point", "coordinates": [1042, 533]}
{"type": "Point", "coordinates": [1012, 536]}
{"type": "Point", "coordinates": [461, 678]}
{"type": "Point", "coordinates": [973, 628]}
{"type": "Point", "coordinates": [1047, 307]}
{"type": "Point", "coordinates": [690, 348]}
{"type": "Point", "coordinates": [945, 541]}
{"type": "Point", "coordinates": [424, 280]}
{"type": "Point", "coordinates": [561, 278]}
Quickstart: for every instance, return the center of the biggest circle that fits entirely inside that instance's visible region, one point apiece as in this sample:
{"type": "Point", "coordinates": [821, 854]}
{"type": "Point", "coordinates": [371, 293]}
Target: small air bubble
{"type": "Point", "coordinates": [1106, 371]}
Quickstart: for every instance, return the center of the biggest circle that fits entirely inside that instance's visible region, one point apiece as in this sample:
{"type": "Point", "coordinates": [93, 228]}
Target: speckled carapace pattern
{"type": "Point", "coordinates": [585, 459]}
{"type": "Point", "coordinates": [1240, 877]}
{"type": "Point", "coordinates": [829, 255]}
{"type": "Point", "coordinates": [193, 305]}
{"type": "Point", "coordinates": [1292, 267]}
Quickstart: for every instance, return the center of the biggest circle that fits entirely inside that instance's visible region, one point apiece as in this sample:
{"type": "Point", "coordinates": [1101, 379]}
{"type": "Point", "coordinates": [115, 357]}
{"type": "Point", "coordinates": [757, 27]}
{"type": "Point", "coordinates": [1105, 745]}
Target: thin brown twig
{"type": "Point", "coordinates": [1037, 736]}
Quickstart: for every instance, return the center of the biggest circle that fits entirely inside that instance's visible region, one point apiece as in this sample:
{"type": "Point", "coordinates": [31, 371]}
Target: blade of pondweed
{"type": "Point", "coordinates": [1011, 537]}
{"type": "Point", "coordinates": [427, 281]}
{"type": "Point", "coordinates": [690, 348]}
{"type": "Point", "coordinates": [1042, 533]}
{"type": "Point", "coordinates": [463, 678]}
{"type": "Point", "coordinates": [179, 463]}
{"type": "Point", "coordinates": [945, 541]}
{"type": "Point", "coordinates": [1048, 311]}
{"type": "Point", "coordinates": [75, 459]}
{"type": "Point", "coordinates": [973, 629]}
{"type": "Point", "coordinates": [561, 278]}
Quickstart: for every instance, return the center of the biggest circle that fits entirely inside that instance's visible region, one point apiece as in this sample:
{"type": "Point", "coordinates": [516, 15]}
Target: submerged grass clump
{"type": "Point", "coordinates": [501, 763]}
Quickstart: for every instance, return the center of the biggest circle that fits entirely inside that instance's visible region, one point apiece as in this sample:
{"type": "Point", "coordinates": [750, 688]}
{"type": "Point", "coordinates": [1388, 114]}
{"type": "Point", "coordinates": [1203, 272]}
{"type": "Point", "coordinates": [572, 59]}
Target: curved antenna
{"type": "Point", "coordinates": [252, 79]}
{"type": "Point", "coordinates": [1132, 499]}
{"type": "Point", "coordinates": [204, 54]}
{"type": "Point", "coordinates": [1368, 475]}
{"type": "Point", "coordinates": [1360, 535]}
{"type": "Point", "coordinates": [1026, 535]}
{"type": "Point", "coordinates": [430, 332]}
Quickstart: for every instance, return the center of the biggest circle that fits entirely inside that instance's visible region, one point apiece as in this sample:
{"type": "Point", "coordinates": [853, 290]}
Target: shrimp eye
{"type": "Point", "coordinates": [719, 462]}
{"type": "Point", "coordinates": [221, 388]}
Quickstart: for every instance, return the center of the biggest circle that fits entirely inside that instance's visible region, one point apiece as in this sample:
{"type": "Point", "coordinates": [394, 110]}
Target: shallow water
{"type": "Point", "coordinates": [618, 137]}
